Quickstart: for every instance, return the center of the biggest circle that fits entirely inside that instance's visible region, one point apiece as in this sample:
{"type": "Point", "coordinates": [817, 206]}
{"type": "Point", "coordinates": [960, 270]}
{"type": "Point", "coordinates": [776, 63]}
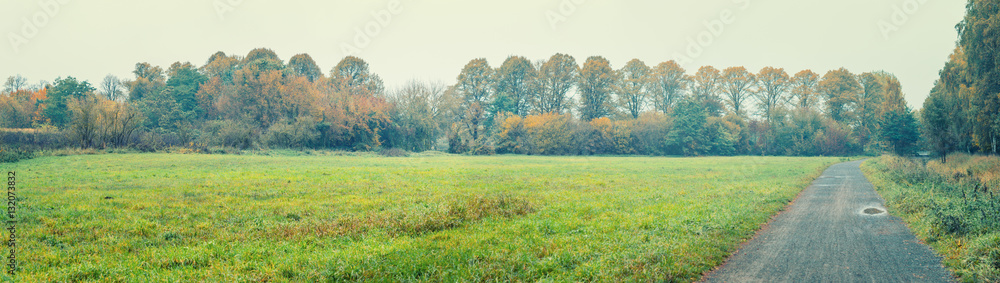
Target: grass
{"type": "Point", "coordinates": [954, 207]}
{"type": "Point", "coordinates": [426, 217]}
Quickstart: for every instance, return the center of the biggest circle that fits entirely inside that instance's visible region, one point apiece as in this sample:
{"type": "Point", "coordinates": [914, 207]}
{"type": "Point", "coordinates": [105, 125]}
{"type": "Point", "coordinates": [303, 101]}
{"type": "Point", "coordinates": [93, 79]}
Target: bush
{"type": "Point", "coordinates": [550, 134]}
{"type": "Point", "coordinates": [300, 134]}
{"type": "Point", "coordinates": [948, 206]}
{"type": "Point", "coordinates": [393, 152]}
{"type": "Point", "coordinates": [984, 255]}
{"type": "Point", "coordinates": [230, 133]}
{"type": "Point", "coordinates": [13, 154]}
{"type": "Point", "coordinates": [41, 139]}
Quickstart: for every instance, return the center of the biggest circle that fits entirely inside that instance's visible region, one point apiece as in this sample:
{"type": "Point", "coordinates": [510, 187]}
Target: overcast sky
{"type": "Point", "coordinates": [432, 40]}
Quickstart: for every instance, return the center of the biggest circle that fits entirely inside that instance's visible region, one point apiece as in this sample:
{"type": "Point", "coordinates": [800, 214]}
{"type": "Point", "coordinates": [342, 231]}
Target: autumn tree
{"type": "Point", "coordinates": [705, 87]}
{"type": "Point", "coordinates": [475, 83]}
{"type": "Point", "coordinates": [867, 104]}
{"type": "Point", "coordinates": [258, 94]}
{"type": "Point", "coordinates": [772, 92]}
{"type": "Point", "coordinates": [303, 65]}
{"type": "Point", "coordinates": [84, 112]}
{"type": "Point", "coordinates": [949, 113]}
{"type": "Point", "coordinates": [352, 74]}
{"type": "Point", "coordinates": [22, 108]}
{"type": "Point", "coordinates": [632, 86]}
{"type": "Point", "coordinates": [804, 89]}
{"type": "Point", "coordinates": [353, 107]}
{"type": "Point", "coordinates": [515, 84]}
{"type": "Point", "coordinates": [667, 84]}
{"type": "Point", "coordinates": [596, 82]}
{"type": "Point", "coordinates": [841, 90]}
{"type": "Point", "coordinates": [737, 84]}
{"type": "Point", "coordinates": [258, 54]}
{"type": "Point", "coordinates": [221, 66]}
{"type": "Point", "coordinates": [979, 36]}
{"type": "Point", "coordinates": [556, 78]}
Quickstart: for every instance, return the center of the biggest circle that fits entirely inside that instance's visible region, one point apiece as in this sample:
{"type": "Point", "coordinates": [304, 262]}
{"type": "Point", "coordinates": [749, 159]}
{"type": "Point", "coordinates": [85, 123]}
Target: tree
{"type": "Point", "coordinates": [979, 36]}
{"type": "Point", "coordinates": [596, 81]}
{"type": "Point", "coordinates": [221, 66]}
{"type": "Point", "coordinates": [867, 104]}
{"type": "Point", "coordinates": [413, 117]}
{"type": "Point", "coordinates": [555, 79]}
{"type": "Point", "coordinates": [258, 54]}
{"type": "Point", "coordinates": [804, 89]}
{"type": "Point", "coordinates": [120, 122]}
{"type": "Point", "coordinates": [112, 88]}
{"type": "Point", "coordinates": [937, 123]}
{"type": "Point", "coordinates": [900, 130]}
{"type": "Point", "coordinates": [955, 93]}
{"type": "Point", "coordinates": [892, 96]}
{"type": "Point", "coordinates": [185, 80]}
{"type": "Point", "coordinates": [352, 75]}
{"type": "Point", "coordinates": [736, 84]}
{"type": "Point", "coordinates": [165, 112]}
{"type": "Point", "coordinates": [515, 86]}
{"type": "Point", "coordinates": [304, 66]}
{"type": "Point", "coordinates": [667, 84]}
{"type": "Point", "coordinates": [15, 83]}
{"type": "Point", "coordinates": [22, 108]}
{"type": "Point", "coordinates": [841, 90]}
{"type": "Point", "coordinates": [59, 94]}
{"type": "Point", "coordinates": [85, 118]}
{"type": "Point", "coordinates": [148, 79]}
{"type": "Point", "coordinates": [475, 82]}
{"type": "Point", "coordinates": [258, 98]}
{"type": "Point", "coordinates": [688, 132]}
{"type": "Point", "coordinates": [632, 87]}
{"type": "Point", "coordinates": [772, 93]}
{"type": "Point", "coordinates": [550, 133]}
{"type": "Point", "coordinates": [705, 87]}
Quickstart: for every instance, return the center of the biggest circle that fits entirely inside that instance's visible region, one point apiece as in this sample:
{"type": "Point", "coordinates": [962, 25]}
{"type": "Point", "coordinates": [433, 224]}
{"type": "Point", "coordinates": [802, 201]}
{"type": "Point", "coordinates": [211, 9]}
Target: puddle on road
{"type": "Point", "coordinates": [873, 211]}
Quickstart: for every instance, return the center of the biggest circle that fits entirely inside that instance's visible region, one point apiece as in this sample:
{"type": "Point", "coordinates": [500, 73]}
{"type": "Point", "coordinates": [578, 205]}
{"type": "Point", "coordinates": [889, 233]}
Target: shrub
{"type": "Point", "coordinates": [550, 134]}
{"type": "Point", "coordinates": [230, 133]}
{"type": "Point", "coordinates": [301, 133]}
{"type": "Point", "coordinates": [393, 152]}
{"type": "Point", "coordinates": [10, 154]}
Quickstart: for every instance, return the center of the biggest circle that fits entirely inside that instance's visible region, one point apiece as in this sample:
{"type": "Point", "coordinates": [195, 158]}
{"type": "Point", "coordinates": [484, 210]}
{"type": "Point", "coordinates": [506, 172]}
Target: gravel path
{"type": "Point", "coordinates": [836, 231]}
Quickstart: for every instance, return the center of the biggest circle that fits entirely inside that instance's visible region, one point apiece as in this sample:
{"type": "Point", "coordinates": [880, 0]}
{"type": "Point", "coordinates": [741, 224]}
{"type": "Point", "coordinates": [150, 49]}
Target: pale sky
{"type": "Point", "coordinates": [432, 40]}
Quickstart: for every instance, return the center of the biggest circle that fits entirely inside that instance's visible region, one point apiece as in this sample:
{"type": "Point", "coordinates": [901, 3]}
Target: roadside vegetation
{"type": "Point", "coordinates": [297, 216]}
{"type": "Point", "coordinates": [954, 207]}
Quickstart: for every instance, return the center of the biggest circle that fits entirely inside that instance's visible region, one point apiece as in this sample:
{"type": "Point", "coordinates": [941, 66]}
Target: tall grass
{"type": "Point", "coordinates": [952, 206]}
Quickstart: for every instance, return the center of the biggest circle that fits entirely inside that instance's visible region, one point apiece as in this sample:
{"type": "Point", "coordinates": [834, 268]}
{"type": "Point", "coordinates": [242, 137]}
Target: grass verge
{"type": "Point", "coordinates": [949, 206]}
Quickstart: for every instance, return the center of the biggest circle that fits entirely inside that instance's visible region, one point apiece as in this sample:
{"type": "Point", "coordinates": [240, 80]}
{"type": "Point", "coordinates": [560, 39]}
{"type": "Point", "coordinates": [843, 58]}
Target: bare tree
{"type": "Point", "coordinates": [112, 88]}
{"type": "Point", "coordinates": [15, 83]}
{"type": "Point", "coordinates": [120, 123]}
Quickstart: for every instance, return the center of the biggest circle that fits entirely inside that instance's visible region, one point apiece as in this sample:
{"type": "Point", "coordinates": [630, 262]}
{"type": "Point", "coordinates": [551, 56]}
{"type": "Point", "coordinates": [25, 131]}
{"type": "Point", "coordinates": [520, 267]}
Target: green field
{"type": "Point", "coordinates": [427, 217]}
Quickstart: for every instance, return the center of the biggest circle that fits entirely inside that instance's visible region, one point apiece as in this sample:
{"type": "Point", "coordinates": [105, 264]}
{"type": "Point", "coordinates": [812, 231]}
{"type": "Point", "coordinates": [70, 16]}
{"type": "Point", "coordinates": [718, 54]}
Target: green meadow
{"type": "Point", "coordinates": [364, 217]}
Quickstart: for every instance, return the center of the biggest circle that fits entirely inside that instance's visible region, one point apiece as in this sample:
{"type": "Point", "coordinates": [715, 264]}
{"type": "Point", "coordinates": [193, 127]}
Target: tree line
{"type": "Point", "coordinates": [962, 113]}
{"type": "Point", "coordinates": [553, 107]}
